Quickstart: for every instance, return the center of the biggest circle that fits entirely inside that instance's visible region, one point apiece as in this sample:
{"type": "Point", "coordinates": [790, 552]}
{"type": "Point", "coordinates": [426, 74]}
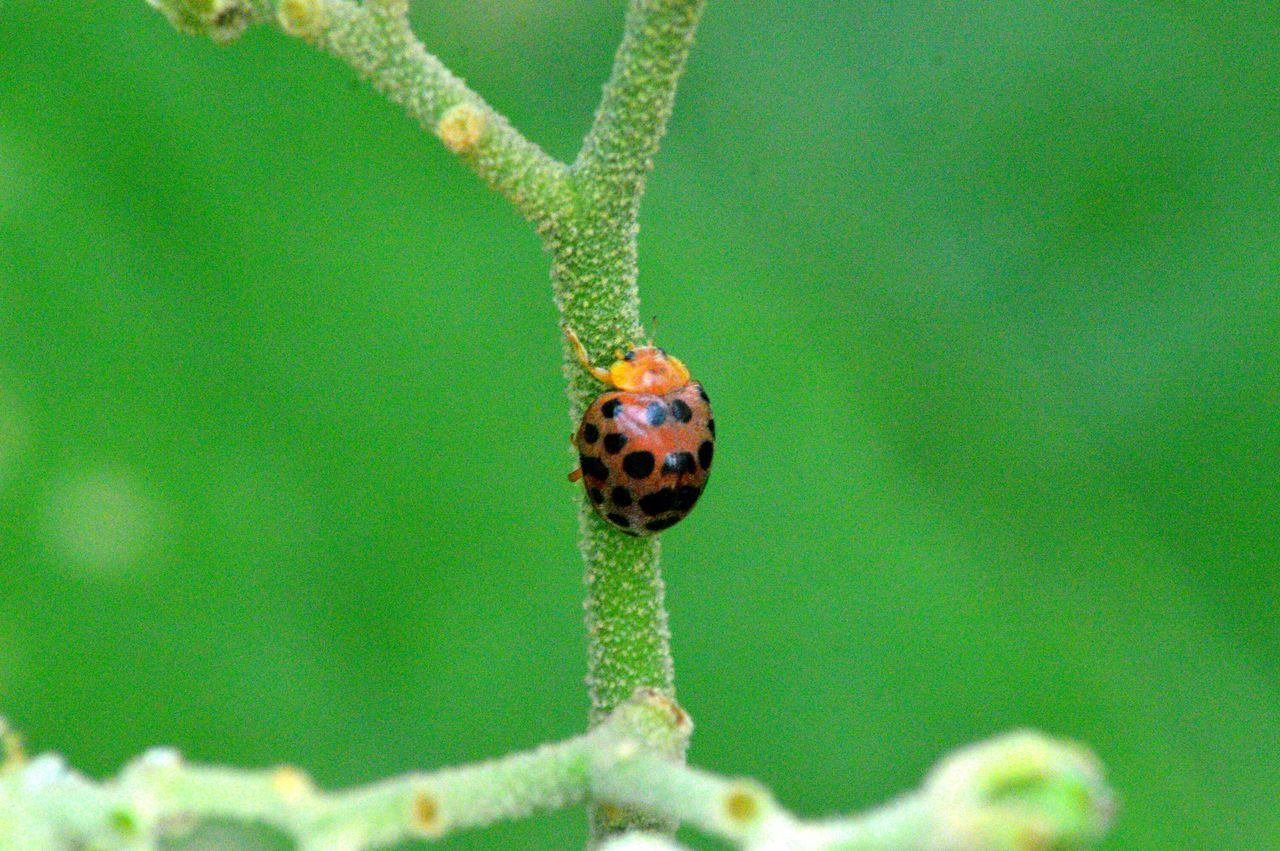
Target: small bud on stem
{"type": "Point", "coordinates": [460, 128]}
{"type": "Point", "coordinates": [221, 20]}
{"type": "Point", "coordinates": [305, 19]}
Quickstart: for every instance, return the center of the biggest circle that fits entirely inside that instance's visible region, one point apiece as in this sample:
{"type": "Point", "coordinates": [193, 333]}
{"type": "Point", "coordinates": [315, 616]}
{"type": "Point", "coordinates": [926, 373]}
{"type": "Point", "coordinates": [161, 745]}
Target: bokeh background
{"type": "Point", "coordinates": [985, 294]}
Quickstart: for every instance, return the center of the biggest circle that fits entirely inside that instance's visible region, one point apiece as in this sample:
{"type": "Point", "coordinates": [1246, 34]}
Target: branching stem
{"type": "Point", "coordinates": [377, 41]}
{"type": "Point", "coordinates": [1020, 791]}
{"type": "Point", "coordinates": [587, 217]}
{"type": "Point", "coordinates": [595, 276]}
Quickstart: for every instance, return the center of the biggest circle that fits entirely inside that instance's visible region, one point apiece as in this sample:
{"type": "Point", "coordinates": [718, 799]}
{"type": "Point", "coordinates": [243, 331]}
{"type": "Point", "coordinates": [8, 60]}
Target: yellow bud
{"type": "Point", "coordinates": [742, 805]}
{"type": "Point", "coordinates": [291, 784]}
{"type": "Point", "coordinates": [460, 128]}
{"type": "Point", "coordinates": [302, 18]}
{"type": "Point", "coordinates": [426, 814]}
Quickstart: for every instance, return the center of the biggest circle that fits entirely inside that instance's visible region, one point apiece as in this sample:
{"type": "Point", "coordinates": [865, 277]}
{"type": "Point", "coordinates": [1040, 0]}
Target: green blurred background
{"type": "Point", "coordinates": [985, 294]}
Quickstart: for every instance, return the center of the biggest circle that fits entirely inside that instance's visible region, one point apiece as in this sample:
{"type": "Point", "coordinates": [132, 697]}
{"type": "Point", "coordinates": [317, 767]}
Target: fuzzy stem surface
{"type": "Point", "coordinates": [595, 283]}
{"type": "Point", "coordinates": [1018, 791]}
{"type": "Point", "coordinates": [628, 638]}
{"type": "Point", "coordinates": [632, 117]}
{"type": "Point", "coordinates": [376, 40]}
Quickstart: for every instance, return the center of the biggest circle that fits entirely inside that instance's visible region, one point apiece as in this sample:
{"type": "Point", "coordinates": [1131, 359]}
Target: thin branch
{"type": "Point", "coordinates": [158, 793]}
{"type": "Point", "coordinates": [628, 643]}
{"type": "Point", "coordinates": [43, 799]}
{"type": "Point", "coordinates": [377, 40]}
{"type": "Point", "coordinates": [595, 284]}
{"type": "Point", "coordinates": [618, 151]}
{"type": "Point", "coordinates": [379, 43]}
{"type": "Point", "coordinates": [1018, 791]}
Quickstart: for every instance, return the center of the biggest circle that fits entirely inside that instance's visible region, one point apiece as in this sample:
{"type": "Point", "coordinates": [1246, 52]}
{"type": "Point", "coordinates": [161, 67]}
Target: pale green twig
{"type": "Point", "coordinates": [595, 275]}
{"type": "Point", "coordinates": [637, 102]}
{"type": "Point", "coordinates": [1017, 792]}
{"type": "Point", "coordinates": [158, 793]}
{"type": "Point", "coordinates": [377, 41]}
{"type": "Point", "coordinates": [375, 38]}
{"type": "Point", "coordinates": [586, 216]}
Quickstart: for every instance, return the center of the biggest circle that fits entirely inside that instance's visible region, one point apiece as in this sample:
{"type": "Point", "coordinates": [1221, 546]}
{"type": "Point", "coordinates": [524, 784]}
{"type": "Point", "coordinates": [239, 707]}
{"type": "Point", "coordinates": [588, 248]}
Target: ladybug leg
{"type": "Point", "coordinates": [581, 354]}
{"type": "Point", "coordinates": [575, 475]}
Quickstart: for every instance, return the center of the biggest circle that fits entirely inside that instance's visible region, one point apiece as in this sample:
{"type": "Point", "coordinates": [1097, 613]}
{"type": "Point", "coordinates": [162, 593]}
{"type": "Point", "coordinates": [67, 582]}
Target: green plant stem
{"type": "Point", "coordinates": [377, 41]}
{"type": "Point", "coordinates": [158, 791]}
{"type": "Point", "coordinates": [587, 217]}
{"type": "Point", "coordinates": [744, 813]}
{"type": "Point", "coordinates": [375, 38]}
{"type": "Point", "coordinates": [632, 117]}
{"type": "Point", "coordinates": [1018, 791]}
{"type": "Point", "coordinates": [595, 281]}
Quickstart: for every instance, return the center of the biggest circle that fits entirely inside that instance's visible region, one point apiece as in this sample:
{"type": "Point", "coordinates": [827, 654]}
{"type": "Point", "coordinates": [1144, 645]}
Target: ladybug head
{"type": "Point", "coordinates": [648, 369]}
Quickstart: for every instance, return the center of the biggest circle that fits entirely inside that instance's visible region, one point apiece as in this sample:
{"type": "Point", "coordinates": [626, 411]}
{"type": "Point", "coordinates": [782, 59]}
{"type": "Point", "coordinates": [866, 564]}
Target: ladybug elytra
{"type": "Point", "coordinates": [645, 447]}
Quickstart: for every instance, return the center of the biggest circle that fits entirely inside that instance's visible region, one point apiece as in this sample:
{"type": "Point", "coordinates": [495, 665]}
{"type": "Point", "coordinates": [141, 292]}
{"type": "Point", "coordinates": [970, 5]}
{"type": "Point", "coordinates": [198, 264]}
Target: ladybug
{"type": "Point", "coordinates": [644, 448]}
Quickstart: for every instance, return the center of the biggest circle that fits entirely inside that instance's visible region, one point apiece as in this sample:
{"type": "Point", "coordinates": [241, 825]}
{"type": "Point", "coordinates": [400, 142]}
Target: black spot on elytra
{"type": "Point", "coordinates": [593, 468]}
{"type": "Point", "coordinates": [618, 520]}
{"type": "Point", "coordinates": [613, 443]}
{"type": "Point", "coordinates": [682, 412]}
{"type": "Point", "coordinates": [679, 462]}
{"type": "Point", "coordinates": [686, 497]}
{"type": "Point", "coordinates": [655, 414]}
{"type": "Point", "coordinates": [705, 452]}
{"type": "Point", "coordinates": [610, 408]}
{"type": "Point", "coordinates": [662, 523]}
{"type": "Point", "coordinates": [590, 433]}
{"type": "Point", "coordinates": [658, 502]}
{"type": "Point", "coordinates": [711, 426]}
{"type": "Point", "coordinates": [637, 465]}
{"type": "Point", "coordinates": [621, 497]}
{"type": "Point", "coordinates": [596, 496]}
{"type": "Point", "coordinates": [703, 393]}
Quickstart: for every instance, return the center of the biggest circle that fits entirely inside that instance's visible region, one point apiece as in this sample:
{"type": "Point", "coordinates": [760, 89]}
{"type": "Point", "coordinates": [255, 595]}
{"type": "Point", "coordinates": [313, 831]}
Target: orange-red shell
{"type": "Point", "coordinates": [645, 457]}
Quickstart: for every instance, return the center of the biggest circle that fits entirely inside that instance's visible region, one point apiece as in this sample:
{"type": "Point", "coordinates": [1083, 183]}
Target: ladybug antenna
{"type": "Point", "coordinates": [653, 328]}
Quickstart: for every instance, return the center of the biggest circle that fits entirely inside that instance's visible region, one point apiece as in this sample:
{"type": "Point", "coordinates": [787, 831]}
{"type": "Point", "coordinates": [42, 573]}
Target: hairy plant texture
{"type": "Point", "coordinates": [1015, 793]}
{"type": "Point", "coordinates": [1020, 792]}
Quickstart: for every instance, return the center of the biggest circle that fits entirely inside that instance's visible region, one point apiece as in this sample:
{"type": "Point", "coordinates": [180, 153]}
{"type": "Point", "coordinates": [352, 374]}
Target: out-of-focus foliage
{"type": "Point", "coordinates": [985, 295]}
